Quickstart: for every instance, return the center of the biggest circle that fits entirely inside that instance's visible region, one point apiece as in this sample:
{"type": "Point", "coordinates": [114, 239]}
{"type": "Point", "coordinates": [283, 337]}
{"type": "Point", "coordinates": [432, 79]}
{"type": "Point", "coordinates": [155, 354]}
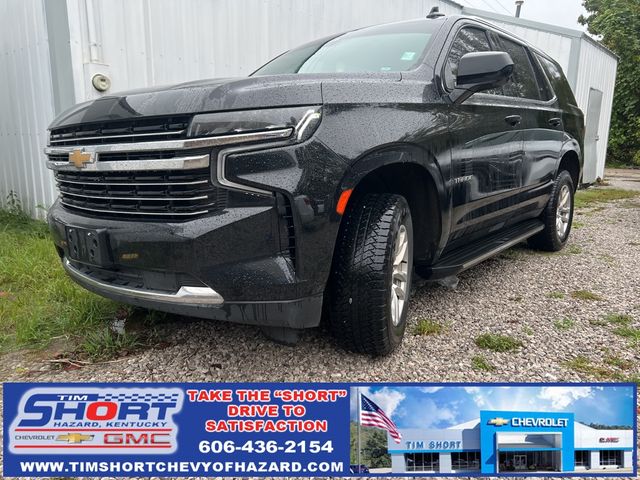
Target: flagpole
{"type": "Point", "coordinates": [359, 420]}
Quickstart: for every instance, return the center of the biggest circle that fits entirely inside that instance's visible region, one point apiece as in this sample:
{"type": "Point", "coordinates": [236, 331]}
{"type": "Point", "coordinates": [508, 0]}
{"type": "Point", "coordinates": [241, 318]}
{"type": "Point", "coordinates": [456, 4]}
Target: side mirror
{"type": "Point", "coordinates": [480, 71]}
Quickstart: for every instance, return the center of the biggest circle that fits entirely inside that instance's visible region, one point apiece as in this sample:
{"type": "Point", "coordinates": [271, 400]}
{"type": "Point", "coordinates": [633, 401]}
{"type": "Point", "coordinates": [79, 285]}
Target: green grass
{"type": "Point", "coordinates": [480, 363]}
{"type": "Point", "coordinates": [565, 323]}
{"type": "Point", "coordinates": [103, 343]}
{"type": "Point", "coordinates": [628, 332]}
{"type": "Point", "coordinates": [586, 295]}
{"type": "Point", "coordinates": [576, 225]}
{"type": "Point", "coordinates": [608, 259]}
{"type": "Point", "coordinates": [615, 369]}
{"type": "Point", "coordinates": [574, 249]}
{"type": "Point", "coordinates": [558, 295]}
{"type": "Point", "coordinates": [528, 331]}
{"type": "Point", "coordinates": [38, 302]}
{"type": "Point", "coordinates": [618, 362]}
{"type": "Point", "coordinates": [497, 343]}
{"type": "Point", "coordinates": [619, 319]}
{"type": "Point", "coordinates": [582, 364]}
{"type": "Point", "coordinates": [594, 195]}
{"type": "Point", "coordinates": [426, 326]}
{"type": "Point", "coordinates": [598, 322]}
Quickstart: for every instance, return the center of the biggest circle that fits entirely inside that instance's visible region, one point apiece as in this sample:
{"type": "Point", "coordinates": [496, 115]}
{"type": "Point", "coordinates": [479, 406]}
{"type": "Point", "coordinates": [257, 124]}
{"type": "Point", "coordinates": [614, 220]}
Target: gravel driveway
{"type": "Point", "coordinates": [508, 295]}
{"type": "Point", "coordinates": [523, 294]}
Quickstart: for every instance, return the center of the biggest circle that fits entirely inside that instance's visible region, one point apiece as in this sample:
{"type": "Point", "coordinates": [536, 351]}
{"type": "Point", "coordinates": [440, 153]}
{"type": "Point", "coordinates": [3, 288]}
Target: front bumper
{"type": "Point", "coordinates": [229, 266]}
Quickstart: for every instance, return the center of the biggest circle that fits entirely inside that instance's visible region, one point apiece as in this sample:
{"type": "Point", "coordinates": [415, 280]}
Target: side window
{"type": "Point", "coordinates": [558, 81]}
{"type": "Point", "coordinates": [546, 92]}
{"type": "Point", "coordinates": [468, 40]}
{"type": "Point", "coordinates": [524, 84]}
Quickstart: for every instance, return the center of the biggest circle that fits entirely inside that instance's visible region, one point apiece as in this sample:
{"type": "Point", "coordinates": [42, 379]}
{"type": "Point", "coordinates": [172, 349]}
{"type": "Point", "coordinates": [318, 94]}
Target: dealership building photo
{"type": "Point", "coordinates": [514, 441]}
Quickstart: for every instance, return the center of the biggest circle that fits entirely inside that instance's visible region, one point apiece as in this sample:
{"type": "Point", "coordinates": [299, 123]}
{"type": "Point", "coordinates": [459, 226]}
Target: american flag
{"type": "Point", "coordinates": [371, 415]}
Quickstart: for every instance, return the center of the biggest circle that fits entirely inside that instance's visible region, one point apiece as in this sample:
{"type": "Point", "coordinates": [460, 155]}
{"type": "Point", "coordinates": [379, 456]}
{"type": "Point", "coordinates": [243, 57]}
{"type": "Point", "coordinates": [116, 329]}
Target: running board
{"type": "Point", "coordinates": [471, 255]}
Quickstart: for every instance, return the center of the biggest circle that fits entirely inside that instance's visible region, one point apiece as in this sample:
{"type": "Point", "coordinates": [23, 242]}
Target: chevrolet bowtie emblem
{"type": "Point", "coordinates": [498, 421]}
{"type": "Point", "coordinates": [79, 158]}
{"type": "Point", "coordinates": [74, 438]}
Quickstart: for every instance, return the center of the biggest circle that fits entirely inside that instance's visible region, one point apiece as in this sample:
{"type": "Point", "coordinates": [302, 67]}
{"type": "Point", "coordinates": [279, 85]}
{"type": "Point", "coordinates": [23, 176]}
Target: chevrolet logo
{"type": "Point", "coordinates": [74, 438]}
{"type": "Point", "coordinates": [79, 158]}
{"type": "Point", "coordinates": [498, 421]}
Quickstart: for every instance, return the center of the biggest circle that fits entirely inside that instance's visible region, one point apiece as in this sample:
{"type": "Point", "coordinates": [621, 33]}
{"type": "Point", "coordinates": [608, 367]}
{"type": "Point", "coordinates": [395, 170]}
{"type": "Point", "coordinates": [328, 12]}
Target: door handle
{"type": "Point", "coordinates": [513, 120]}
{"type": "Point", "coordinates": [555, 122]}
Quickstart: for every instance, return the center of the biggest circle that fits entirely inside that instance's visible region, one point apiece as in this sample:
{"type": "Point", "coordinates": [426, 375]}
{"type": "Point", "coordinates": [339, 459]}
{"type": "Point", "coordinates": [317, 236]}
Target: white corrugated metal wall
{"type": "Point", "coordinates": [26, 104]}
{"type": "Point", "coordinates": [140, 43]}
{"type": "Point", "coordinates": [596, 70]}
{"type": "Point", "coordinates": [553, 44]}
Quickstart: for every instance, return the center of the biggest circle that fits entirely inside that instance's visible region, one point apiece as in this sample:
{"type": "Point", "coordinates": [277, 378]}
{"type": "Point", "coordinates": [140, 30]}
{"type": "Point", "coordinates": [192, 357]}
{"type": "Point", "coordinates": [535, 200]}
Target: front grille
{"type": "Point", "coordinates": [121, 131]}
{"type": "Point", "coordinates": [141, 195]}
{"type": "Point", "coordinates": [129, 156]}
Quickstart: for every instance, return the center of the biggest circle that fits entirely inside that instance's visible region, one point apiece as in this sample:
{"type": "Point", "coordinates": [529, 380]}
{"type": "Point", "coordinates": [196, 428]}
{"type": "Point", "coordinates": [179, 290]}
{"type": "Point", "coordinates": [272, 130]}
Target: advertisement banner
{"type": "Point", "coordinates": [233, 429]}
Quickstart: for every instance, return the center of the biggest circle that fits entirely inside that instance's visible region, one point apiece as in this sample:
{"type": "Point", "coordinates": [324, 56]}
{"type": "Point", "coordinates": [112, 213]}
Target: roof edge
{"type": "Point", "coordinates": [564, 31]}
{"type": "Point", "coordinates": [454, 4]}
{"type": "Point", "coordinates": [569, 32]}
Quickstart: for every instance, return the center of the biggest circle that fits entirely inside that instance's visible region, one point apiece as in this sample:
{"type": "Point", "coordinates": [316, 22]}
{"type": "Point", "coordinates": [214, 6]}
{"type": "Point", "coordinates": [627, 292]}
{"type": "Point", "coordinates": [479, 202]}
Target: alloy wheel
{"type": "Point", "coordinates": [400, 278]}
{"type": "Point", "coordinates": [563, 211]}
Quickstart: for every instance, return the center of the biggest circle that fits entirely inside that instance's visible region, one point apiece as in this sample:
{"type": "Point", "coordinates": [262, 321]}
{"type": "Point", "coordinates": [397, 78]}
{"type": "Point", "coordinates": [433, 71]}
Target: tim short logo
{"type": "Point", "coordinates": [96, 420]}
{"type": "Point", "coordinates": [498, 421]}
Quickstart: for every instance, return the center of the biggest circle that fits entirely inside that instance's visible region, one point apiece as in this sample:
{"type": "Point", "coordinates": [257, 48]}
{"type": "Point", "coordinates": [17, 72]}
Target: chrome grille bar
{"type": "Point", "coordinates": [132, 212]}
{"type": "Point", "coordinates": [71, 137]}
{"type": "Point", "coordinates": [178, 163]}
{"type": "Point", "coordinates": [185, 143]}
{"type": "Point", "coordinates": [93, 183]}
{"type": "Point", "coordinates": [140, 198]}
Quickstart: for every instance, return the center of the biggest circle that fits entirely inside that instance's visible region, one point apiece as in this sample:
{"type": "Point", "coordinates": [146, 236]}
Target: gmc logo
{"type": "Point", "coordinates": [139, 439]}
{"type": "Point", "coordinates": [609, 440]}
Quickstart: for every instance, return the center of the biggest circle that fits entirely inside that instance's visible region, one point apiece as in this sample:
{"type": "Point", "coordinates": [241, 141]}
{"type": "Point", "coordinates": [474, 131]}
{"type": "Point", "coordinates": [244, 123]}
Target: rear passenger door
{"type": "Point", "coordinates": [541, 123]}
{"type": "Point", "coordinates": [486, 144]}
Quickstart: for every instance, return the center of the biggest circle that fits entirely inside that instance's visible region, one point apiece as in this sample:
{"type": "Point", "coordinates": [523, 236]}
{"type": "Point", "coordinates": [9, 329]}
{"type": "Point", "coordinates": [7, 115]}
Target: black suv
{"type": "Point", "coordinates": [321, 182]}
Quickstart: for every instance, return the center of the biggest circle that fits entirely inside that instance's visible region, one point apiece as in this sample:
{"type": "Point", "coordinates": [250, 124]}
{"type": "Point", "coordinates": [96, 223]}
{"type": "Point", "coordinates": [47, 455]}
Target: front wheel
{"type": "Point", "coordinates": [371, 275]}
{"type": "Point", "coordinates": [557, 216]}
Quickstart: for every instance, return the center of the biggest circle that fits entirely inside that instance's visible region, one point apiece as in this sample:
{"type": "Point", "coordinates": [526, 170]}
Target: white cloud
{"type": "Point", "coordinates": [562, 397]}
{"type": "Point", "coordinates": [430, 389]}
{"type": "Point", "coordinates": [431, 414]}
{"type": "Point", "coordinates": [477, 395]}
{"type": "Point", "coordinates": [386, 398]}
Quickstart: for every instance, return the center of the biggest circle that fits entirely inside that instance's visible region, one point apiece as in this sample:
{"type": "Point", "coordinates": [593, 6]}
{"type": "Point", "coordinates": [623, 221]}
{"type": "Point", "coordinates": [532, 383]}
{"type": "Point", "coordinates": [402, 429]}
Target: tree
{"type": "Point", "coordinates": [375, 450]}
{"type": "Point", "coordinates": [373, 441]}
{"type": "Point", "coordinates": [617, 23]}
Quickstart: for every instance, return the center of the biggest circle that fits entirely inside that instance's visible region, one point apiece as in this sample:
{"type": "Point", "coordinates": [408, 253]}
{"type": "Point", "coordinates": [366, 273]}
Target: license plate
{"type": "Point", "coordinates": [88, 246]}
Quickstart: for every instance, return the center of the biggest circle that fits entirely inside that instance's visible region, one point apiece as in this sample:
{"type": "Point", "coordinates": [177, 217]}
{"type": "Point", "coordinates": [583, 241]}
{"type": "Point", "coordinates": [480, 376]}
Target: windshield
{"type": "Point", "coordinates": [386, 48]}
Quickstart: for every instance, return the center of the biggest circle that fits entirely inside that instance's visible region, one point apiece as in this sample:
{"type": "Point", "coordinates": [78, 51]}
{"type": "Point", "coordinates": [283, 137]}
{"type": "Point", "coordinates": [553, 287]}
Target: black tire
{"type": "Point", "coordinates": [360, 288]}
{"type": "Point", "coordinates": [549, 239]}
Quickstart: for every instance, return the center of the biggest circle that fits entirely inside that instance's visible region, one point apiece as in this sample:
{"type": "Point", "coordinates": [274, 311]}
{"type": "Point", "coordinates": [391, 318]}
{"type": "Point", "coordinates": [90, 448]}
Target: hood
{"type": "Point", "coordinates": [197, 97]}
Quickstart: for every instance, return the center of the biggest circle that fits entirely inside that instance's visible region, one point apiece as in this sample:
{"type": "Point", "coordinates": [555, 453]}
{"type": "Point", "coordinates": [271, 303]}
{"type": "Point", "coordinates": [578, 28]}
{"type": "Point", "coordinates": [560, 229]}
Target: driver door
{"type": "Point", "coordinates": [486, 139]}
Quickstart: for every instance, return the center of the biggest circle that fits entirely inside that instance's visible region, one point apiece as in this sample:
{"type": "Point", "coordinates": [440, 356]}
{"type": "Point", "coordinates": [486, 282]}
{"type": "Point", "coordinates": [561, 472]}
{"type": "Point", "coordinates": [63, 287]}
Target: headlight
{"type": "Point", "coordinates": [301, 121]}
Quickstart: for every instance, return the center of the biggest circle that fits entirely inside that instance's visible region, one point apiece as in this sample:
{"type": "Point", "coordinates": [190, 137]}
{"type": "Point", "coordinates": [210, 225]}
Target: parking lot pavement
{"type": "Point", "coordinates": [626, 178]}
{"type": "Point", "coordinates": [574, 314]}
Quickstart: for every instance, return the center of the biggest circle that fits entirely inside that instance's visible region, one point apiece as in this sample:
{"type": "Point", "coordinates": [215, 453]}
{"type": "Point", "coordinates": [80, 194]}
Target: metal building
{"type": "Point", "coordinates": [512, 441]}
{"type": "Point", "coordinates": [51, 49]}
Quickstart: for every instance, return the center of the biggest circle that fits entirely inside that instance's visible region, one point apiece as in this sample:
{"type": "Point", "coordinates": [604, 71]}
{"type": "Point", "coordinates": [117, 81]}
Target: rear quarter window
{"type": "Point", "coordinates": [557, 79]}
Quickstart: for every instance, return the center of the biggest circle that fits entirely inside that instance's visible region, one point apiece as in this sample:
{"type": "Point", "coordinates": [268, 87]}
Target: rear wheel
{"type": "Point", "coordinates": [557, 216]}
{"type": "Point", "coordinates": [371, 275]}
